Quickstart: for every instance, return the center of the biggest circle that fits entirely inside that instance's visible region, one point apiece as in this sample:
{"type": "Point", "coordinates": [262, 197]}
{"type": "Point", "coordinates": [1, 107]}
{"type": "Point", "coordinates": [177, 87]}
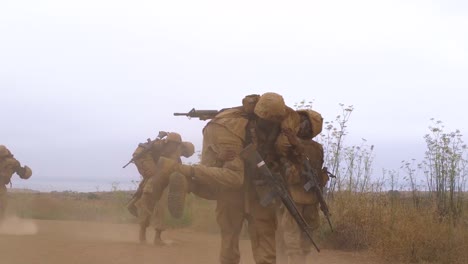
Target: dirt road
{"type": "Point", "coordinates": [70, 242]}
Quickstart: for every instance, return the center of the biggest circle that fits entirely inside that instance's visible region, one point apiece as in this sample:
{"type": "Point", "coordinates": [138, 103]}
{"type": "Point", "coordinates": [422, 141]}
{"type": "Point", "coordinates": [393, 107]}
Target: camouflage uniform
{"type": "Point", "coordinates": [296, 244]}
{"type": "Point", "coordinates": [8, 166]}
{"type": "Point", "coordinates": [275, 148]}
{"type": "Point", "coordinates": [229, 132]}
{"type": "Point", "coordinates": [150, 211]}
{"type": "Point", "coordinates": [223, 136]}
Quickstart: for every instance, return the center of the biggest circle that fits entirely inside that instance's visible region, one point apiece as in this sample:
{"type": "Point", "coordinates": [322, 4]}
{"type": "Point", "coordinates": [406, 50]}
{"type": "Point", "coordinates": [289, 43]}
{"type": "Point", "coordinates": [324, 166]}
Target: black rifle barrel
{"type": "Point", "coordinates": [273, 180]}
{"type": "Point", "coordinates": [311, 174]}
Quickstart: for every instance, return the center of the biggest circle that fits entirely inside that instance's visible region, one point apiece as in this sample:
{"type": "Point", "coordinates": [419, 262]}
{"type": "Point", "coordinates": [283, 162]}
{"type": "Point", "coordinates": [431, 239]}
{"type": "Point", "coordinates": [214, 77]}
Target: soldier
{"type": "Point", "coordinates": [238, 186]}
{"type": "Point", "coordinates": [296, 244]}
{"type": "Point", "coordinates": [8, 166]}
{"type": "Point", "coordinates": [151, 211]}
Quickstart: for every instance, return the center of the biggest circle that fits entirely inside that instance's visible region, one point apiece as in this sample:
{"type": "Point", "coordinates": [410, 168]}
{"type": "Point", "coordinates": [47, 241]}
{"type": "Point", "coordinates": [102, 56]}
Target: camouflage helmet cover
{"type": "Point", "coordinates": [187, 149]}
{"type": "Point", "coordinates": [271, 106]}
{"type": "Point", "coordinates": [315, 119]}
{"type": "Point", "coordinates": [173, 137]}
{"type": "Point", "coordinates": [26, 173]}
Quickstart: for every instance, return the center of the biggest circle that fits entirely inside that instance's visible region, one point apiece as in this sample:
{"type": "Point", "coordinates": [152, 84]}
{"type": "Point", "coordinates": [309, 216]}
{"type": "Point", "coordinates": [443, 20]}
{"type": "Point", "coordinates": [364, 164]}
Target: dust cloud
{"type": "Point", "coordinates": [16, 226]}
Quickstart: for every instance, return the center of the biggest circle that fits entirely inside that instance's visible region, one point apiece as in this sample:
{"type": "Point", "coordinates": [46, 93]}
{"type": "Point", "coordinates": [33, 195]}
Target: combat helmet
{"type": "Point", "coordinates": [315, 119]}
{"type": "Point", "coordinates": [271, 107]}
{"type": "Point", "coordinates": [187, 149]}
{"type": "Point", "coordinates": [173, 137]}
{"type": "Point", "coordinates": [25, 173]}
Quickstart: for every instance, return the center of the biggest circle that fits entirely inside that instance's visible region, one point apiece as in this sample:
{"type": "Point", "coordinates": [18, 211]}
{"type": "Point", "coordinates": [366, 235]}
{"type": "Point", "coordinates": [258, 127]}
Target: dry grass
{"type": "Point", "coordinates": [396, 230]}
{"type": "Point", "coordinates": [389, 225]}
{"type": "Point", "coordinates": [108, 206]}
{"type": "Point", "coordinates": [100, 206]}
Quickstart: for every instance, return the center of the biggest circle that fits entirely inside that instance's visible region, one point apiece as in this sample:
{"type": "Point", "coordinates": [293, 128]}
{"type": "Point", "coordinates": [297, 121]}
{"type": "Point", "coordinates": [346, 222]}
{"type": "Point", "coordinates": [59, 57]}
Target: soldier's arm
{"type": "Point", "coordinates": [287, 142]}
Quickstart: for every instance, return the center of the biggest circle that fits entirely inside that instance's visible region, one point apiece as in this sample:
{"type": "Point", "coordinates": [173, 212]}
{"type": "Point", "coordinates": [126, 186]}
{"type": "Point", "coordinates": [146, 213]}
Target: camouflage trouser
{"type": "Point", "coordinates": [262, 230]}
{"type": "Point", "coordinates": [220, 172]}
{"type": "Point", "coordinates": [3, 201]}
{"type": "Point", "coordinates": [294, 241]}
{"type": "Point", "coordinates": [151, 212]}
{"type": "Point", "coordinates": [230, 217]}
{"type": "Point", "coordinates": [262, 227]}
{"type": "Point", "coordinates": [157, 218]}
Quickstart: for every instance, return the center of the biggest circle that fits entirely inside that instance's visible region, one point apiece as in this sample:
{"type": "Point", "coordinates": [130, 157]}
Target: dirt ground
{"type": "Point", "coordinates": [58, 242]}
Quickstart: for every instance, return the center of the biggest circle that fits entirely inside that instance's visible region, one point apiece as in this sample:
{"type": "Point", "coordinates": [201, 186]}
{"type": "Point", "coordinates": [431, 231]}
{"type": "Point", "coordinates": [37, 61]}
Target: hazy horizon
{"type": "Point", "coordinates": [82, 83]}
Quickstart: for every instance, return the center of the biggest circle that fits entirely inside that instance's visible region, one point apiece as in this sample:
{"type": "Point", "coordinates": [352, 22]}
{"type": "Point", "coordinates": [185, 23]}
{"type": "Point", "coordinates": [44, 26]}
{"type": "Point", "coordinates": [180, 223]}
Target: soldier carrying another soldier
{"type": "Point", "coordinates": [239, 186]}
{"type": "Point", "coordinates": [8, 166]}
{"type": "Point", "coordinates": [148, 209]}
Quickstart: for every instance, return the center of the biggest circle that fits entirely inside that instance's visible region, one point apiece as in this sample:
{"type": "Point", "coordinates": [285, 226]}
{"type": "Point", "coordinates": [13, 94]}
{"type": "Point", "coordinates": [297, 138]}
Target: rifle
{"type": "Point", "coordinates": [248, 105]}
{"type": "Point", "coordinates": [147, 146]}
{"type": "Point", "coordinates": [311, 174]}
{"type": "Point", "coordinates": [250, 154]}
{"type": "Point", "coordinates": [201, 114]}
{"type": "Point", "coordinates": [328, 173]}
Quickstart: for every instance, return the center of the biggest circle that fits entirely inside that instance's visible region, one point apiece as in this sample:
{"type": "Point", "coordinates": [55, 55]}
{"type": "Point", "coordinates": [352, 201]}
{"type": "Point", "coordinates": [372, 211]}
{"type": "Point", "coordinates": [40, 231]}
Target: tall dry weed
{"type": "Point", "coordinates": [415, 220]}
{"type": "Point", "coordinates": [397, 231]}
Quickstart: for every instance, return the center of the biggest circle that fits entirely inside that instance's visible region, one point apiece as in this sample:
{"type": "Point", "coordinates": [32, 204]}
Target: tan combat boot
{"type": "Point", "coordinates": [178, 188]}
{"type": "Point", "coordinates": [143, 215]}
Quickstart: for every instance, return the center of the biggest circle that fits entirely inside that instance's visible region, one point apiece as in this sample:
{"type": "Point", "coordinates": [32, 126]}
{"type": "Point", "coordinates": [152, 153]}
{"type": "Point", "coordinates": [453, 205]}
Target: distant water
{"type": "Point", "coordinates": [78, 186]}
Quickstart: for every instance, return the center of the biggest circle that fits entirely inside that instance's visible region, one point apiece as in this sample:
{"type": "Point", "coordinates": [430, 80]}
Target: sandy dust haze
{"type": "Point", "coordinates": [58, 242]}
{"type": "Point", "coordinates": [17, 226]}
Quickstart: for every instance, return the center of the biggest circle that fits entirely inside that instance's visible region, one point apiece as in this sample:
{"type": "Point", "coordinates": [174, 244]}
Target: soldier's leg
{"type": "Point", "coordinates": [292, 236]}
{"type": "Point", "coordinates": [142, 232]}
{"type": "Point", "coordinates": [311, 215]}
{"type": "Point", "coordinates": [157, 221]}
{"type": "Point", "coordinates": [3, 201]}
{"type": "Point", "coordinates": [298, 246]}
{"type": "Point", "coordinates": [281, 256]}
{"type": "Point", "coordinates": [230, 217]}
{"type": "Point", "coordinates": [145, 206]}
{"type": "Point", "coordinates": [262, 229]}
{"type": "Point", "coordinates": [131, 207]}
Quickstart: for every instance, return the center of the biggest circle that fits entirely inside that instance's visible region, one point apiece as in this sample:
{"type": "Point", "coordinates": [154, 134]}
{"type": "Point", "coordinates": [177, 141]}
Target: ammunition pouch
{"type": "Point", "coordinates": [264, 193]}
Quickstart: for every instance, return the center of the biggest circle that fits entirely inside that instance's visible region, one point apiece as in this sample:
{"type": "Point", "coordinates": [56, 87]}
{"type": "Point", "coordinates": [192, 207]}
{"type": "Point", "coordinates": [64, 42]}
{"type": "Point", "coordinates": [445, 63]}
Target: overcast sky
{"type": "Point", "coordinates": [83, 82]}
